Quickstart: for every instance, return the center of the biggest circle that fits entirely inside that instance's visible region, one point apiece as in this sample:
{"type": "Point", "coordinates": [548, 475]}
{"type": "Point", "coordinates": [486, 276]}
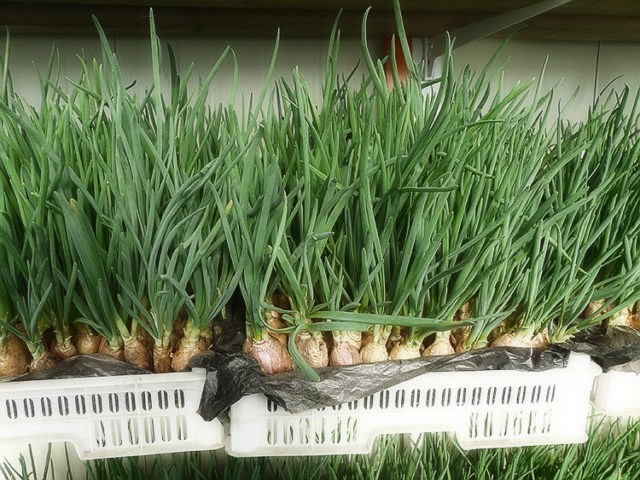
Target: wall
{"type": "Point", "coordinates": [583, 69]}
{"type": "Point", "coordinates": [580, 68]}
{"type": "Point", "coordinates": [30, 53]}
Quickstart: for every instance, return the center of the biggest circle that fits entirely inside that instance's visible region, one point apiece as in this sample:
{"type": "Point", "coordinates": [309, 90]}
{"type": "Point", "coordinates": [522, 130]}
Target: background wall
{"type": "Point", "coordinates": [580, 68]}
{"type": "Point", "coordinates": [586, 69]}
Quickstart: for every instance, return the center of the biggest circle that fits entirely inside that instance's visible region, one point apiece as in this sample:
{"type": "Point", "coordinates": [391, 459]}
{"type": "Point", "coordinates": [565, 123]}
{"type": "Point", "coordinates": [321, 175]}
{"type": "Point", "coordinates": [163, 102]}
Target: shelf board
{"type": "Point", "coordinates": [581, 20]}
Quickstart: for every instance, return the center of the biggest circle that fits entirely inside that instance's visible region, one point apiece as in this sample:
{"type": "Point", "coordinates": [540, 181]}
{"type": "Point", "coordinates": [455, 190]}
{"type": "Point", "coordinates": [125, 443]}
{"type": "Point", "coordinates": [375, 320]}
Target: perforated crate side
{"type": "Point", "coordinates": [617, 394]}
{"type": "Point", "coordinates": [110, 416]}
{"type": "Point", "coordinates": [483, 409]}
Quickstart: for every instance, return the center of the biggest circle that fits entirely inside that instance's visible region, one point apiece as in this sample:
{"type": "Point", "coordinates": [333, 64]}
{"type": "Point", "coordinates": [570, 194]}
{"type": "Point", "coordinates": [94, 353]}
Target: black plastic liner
{"type": "Point", "coordinates": [83, 366]}
{"type": "Point", "coordinates": [232, 376]}
{"type": "Point", "coordinates": [615, 348]}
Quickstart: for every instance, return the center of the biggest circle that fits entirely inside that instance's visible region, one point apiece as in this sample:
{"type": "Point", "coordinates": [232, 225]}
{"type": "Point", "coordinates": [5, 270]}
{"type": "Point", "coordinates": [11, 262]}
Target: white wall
{"type": "Point", "coordinates": [30, 53]}
{"type": "Point", "coordinates": [619, 60]}
{"type": "Point", "coordinates": [253, 57]}
{"type": "Point", "coordinates": [570, 67]}
{"type": "Point", "coordinates": [583, 66]}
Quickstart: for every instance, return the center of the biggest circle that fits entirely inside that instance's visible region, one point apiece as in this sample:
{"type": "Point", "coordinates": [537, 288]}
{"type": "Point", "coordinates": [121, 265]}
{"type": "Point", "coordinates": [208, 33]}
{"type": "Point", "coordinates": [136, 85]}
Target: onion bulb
{"type": "Point", "coordinates": [41, 360]}
{"type": "Point", "coordinates": [187, 348]}
{"type": "Point", "coordinates": [343, 354]}
{"type": "Point", "coordinates": [87, 341]}
{"type": "Point", "coordinates": [374, 352]}
{"type": "Point", "coordinates": [374, 348]}
{"type": "Point", "coordinates": [313, 349]}
{"type": "Point", "coordinates": [405, 351]}
{"type": "Point", "coordinates": [440, 346]}
{"type": "Point", "coordinates": [137, 353]}
{"type": "Point", "coordinates": [271, 355]}
{"type": "Point", "coordinates": [161, 359]}
{"type": "Point", "coordinates": [623, 318]}
{"type": "Point", "coordinates": [522, 339]}
{"type": "Point", "coordinates": [116, 351]}
{"type": "Point", "coordinates": [62, 347]}
{"type": "Point", "coordinates": [14, 356]}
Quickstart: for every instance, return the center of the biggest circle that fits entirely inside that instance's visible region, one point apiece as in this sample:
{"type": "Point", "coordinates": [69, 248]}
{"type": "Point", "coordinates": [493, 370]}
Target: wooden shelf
{"type": "Point", "coordinates": [587, 20]}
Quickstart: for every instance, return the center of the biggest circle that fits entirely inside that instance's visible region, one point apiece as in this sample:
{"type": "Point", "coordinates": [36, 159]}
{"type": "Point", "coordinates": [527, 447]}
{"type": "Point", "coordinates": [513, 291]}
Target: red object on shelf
{"type": "Point", "coordinates": [401, 62]}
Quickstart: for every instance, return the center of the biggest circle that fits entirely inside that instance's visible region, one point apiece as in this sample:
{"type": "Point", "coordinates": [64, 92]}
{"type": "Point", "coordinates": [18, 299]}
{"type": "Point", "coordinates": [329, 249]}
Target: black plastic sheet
{"type": "Point", "coordinates": [229, 378]}
{"type": "Point", "coordinates": [232, 376]}
{"type": "Point", "coordinates": [83, 366]}
{"type": "Point", "coordinates": [614, 348]}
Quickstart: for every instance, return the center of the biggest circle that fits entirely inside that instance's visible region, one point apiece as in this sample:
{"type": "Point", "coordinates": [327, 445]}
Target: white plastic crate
{"type": "Point", "coordinates": [483, 408]}
{"type": "Point", "coordinates": [617, 394]}
{"type": "Point", "coordinates": [110, 416]}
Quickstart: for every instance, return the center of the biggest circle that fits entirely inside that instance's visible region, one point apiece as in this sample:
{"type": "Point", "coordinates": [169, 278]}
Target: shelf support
{"type": "Point", "coordinates": [433, 48]}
